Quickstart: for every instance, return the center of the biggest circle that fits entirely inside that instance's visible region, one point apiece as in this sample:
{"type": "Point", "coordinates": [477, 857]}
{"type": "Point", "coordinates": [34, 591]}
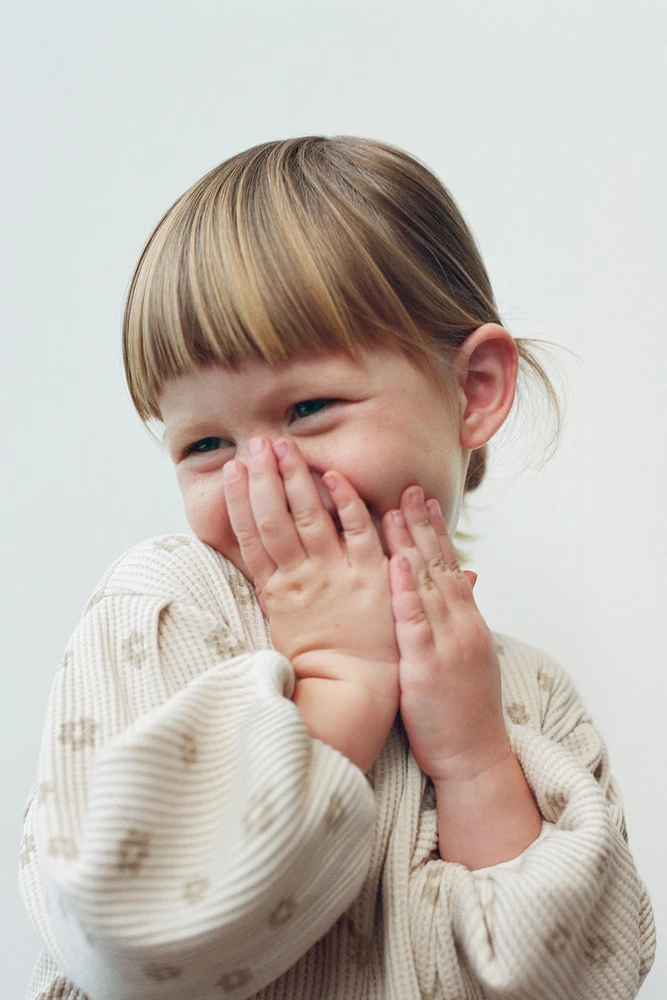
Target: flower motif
{"type": "Point", "coordinates": [133, 850]}
{"type": "Point", "coordinates": [231, 981]}
{"type": "Point", "coordinates": [223, 642]}
{"type": "Point", "coordinates": [518, 714]}
{"type": "Point", "coordinates": [171, 542]}
{"type": "Point", "coordinates": [559, 939]}
{"type": "Point", "coordinates": [133, 649]}
{"type": "Point", "coordinates": [545, 681]}
{"type": "Point", "coordinates": [598, 951]}
{"type": "Point", "coordinates": [283, 912]}
{"type": "Point", "coordinates": [195, 888]}
{"type": "Point", "coordinates": [78, 734]}
{"type": "Point", "coordinates": [189, 749]}
{"type": "Point", "coordinates": [240, 588]}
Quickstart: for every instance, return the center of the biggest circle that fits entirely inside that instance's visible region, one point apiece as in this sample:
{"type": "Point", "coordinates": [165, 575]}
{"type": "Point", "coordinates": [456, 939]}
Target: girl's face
{"type": "Point", "coordinates": [381, 422]}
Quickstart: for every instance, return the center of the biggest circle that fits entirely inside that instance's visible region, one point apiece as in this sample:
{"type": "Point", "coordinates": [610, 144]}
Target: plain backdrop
{"type": "Point", "coordinates": [548, 123]}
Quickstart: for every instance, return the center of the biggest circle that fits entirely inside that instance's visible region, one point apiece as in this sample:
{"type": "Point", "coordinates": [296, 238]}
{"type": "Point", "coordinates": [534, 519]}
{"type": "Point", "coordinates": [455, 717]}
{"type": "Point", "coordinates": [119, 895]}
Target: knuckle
{"type": "Point", "coordinates": [268, 527]}
{"type": "Point", "coordinates": [354, 529]}
{"type": "Point", "coordinates": [305, 520]}
{"type": "Point", "coordinates": [245, 537]}
{"type": "Point", "coordinates": [416, 617]}
{"type": "Point", "coordinates": [436, 565]}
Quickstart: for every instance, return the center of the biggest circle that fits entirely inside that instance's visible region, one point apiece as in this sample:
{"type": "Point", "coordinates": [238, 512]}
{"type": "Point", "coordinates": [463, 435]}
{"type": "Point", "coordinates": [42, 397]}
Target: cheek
{"type": "Point", "coordinates": [206, 511]}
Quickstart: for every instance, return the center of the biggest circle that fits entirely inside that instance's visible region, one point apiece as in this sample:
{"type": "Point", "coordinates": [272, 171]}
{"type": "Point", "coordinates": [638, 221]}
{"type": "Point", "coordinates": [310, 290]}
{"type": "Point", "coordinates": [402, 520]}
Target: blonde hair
{"type": "Point", "coordinates": [308, 245]}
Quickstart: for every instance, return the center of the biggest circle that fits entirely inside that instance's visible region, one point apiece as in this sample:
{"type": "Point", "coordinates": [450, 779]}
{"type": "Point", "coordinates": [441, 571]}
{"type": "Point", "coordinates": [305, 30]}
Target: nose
{"type": "Point", "coordinates": [243, 443]}
{"type": "Point", "coordinates": [242, 454]}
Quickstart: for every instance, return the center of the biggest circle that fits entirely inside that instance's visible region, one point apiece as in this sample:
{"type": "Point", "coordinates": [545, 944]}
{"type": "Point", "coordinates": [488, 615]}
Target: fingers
{"type": "Point", "coordinates": [418, 532]}
{"type": "Point", "coordinates": [278, 515]}
{"type": "Point", "coordinates": [362, 542]}
{"type": "Point", "coordinates": [311, 520]}
{"type": "Point", "coordinates": [241, 518]}
{"type": "Point", "coordinates": [414, 629]}
{"type": "Point", "coordinates": [314, 522]}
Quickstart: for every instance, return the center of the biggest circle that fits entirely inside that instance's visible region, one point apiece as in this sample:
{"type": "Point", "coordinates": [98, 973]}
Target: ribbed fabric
{"type": "Point", "coordinates": [187, 839]}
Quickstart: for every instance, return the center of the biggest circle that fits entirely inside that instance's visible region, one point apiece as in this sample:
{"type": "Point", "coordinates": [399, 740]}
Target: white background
{"type": "Point", "coordinates": [548, 123]}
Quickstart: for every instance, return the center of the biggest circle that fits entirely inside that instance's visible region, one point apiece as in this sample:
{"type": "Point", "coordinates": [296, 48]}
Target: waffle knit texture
{"type": "Point", "coordinates": [187, 839]}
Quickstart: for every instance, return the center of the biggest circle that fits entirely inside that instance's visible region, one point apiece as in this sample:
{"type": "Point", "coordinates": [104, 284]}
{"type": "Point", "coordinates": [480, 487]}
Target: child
{"type": "Point", "coordinates": [287, 758]}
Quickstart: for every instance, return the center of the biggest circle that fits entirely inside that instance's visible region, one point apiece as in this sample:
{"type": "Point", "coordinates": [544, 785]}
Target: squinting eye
{"type": "Point", "coordinates": [206, 444]}
{"type": "Point", "coordinates": [309, 406]}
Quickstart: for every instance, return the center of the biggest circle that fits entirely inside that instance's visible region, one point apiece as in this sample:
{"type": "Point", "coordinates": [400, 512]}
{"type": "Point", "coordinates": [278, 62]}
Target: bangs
{"type": "Point", "coordinates": [289, 248]}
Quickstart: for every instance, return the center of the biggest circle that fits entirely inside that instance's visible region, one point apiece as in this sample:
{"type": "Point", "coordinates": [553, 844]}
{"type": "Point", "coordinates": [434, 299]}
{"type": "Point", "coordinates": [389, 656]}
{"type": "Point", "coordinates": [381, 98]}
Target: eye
{"type": "Point", "coordinates": [204, 445]}
{"type": "Point", "coordinates": [308, 407]}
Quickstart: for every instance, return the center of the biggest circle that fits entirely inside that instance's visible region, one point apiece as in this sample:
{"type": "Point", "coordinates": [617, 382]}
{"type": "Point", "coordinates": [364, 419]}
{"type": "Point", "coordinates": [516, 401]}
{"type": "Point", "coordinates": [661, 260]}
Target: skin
{"type": "Point", "coordinates": [390, 427]}
{"type": "Point", "coordinates": [338, 512]}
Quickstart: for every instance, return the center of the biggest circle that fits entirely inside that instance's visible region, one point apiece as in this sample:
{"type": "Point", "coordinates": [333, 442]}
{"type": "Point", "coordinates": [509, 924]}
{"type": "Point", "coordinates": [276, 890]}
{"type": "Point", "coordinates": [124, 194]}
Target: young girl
{"type": "Point", "coordinates": [286, 758]}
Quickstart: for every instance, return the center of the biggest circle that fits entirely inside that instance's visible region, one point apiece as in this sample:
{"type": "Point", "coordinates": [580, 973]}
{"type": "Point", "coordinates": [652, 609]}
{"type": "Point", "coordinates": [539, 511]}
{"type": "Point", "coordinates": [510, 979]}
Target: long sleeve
{"type": "Point", "coordinates": [187, 838]}
{"type": "Point", "coordinates": [570, 917]}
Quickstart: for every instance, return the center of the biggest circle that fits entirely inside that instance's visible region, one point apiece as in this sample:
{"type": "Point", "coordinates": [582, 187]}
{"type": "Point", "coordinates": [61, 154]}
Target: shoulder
{"type": "Point", "coordinates": [530, 679]}
{"type": "Point", "coordinates": [522, 659]}
{"type": "Point", "coordinates": [175, 568]}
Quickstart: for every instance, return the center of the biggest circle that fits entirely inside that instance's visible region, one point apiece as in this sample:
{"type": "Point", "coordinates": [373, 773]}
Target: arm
{"type": "Point", "coordinates": [486, 818]}
{"type": "Point", "coordinates": [171, 773]}
{"type": "Point", "coordinates": [451, 701]}
{"type": "Point", "coordinates": [353, 717]}
{"type": "Point", "coordinates": [566, 915]}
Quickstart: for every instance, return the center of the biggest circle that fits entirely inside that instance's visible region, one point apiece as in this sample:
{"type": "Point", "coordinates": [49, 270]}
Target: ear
{"type": "Point", "coordinates": [488, 363]}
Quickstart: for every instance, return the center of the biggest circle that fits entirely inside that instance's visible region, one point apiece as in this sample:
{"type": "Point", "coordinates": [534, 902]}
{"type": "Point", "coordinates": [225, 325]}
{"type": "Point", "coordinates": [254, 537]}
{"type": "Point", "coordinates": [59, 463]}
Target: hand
{"type": "Point", "coordinates": [327, 597]}
{"type": "Point", "coordinates": [449, 676]}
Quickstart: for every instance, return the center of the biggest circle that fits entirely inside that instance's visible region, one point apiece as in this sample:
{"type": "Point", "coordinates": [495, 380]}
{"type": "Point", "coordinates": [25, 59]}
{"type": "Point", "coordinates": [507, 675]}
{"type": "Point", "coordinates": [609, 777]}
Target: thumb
{"type": "Point", "coordinates": [472, 577]}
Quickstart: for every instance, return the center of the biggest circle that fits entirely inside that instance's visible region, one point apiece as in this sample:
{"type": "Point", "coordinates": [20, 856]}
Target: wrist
{"type": "Point", "coordinates": [469, 764]}
{"type": "Point", "coordinates": [331, 664]}
{"type": "Point", "coordinates": [487, 817]}
{"type": "Point", "coordinates": [353, 716]}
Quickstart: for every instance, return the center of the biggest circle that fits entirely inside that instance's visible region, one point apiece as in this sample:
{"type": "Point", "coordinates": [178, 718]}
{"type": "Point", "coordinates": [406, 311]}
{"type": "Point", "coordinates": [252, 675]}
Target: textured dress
{"type": "Point", "coordinates": [187, 839]}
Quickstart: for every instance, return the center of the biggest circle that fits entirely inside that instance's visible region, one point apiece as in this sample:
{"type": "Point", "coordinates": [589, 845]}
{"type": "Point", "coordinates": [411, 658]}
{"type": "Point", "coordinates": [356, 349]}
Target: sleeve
{"type": "Point", "coordinates": [570, 916]}
{"type": "Point", "coordinates": [188, 838]}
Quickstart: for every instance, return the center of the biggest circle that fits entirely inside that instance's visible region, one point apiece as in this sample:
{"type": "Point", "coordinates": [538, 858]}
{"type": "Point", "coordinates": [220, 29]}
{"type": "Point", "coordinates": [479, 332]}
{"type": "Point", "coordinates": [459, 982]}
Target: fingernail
{"type": "Point", "coordinates": [280, 448]}
{"type": "Point", "coordinates": [399, 520]}
{"type": "Point", "coordinates": [255, 446]}
{"type": "Point", "coordinates": [417, 497]}
{"type": "Point", "coordinates": [230, 471]}
{"type": "Point", "coordinates": [330, 481]}
{"type": "Point", "coordinates": [433, 507]}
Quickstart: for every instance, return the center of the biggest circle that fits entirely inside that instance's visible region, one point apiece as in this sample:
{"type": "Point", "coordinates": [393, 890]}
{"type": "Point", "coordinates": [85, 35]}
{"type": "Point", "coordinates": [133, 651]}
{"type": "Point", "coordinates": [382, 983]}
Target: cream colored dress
{"type": "Point", "coordinates": [187, 840]}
